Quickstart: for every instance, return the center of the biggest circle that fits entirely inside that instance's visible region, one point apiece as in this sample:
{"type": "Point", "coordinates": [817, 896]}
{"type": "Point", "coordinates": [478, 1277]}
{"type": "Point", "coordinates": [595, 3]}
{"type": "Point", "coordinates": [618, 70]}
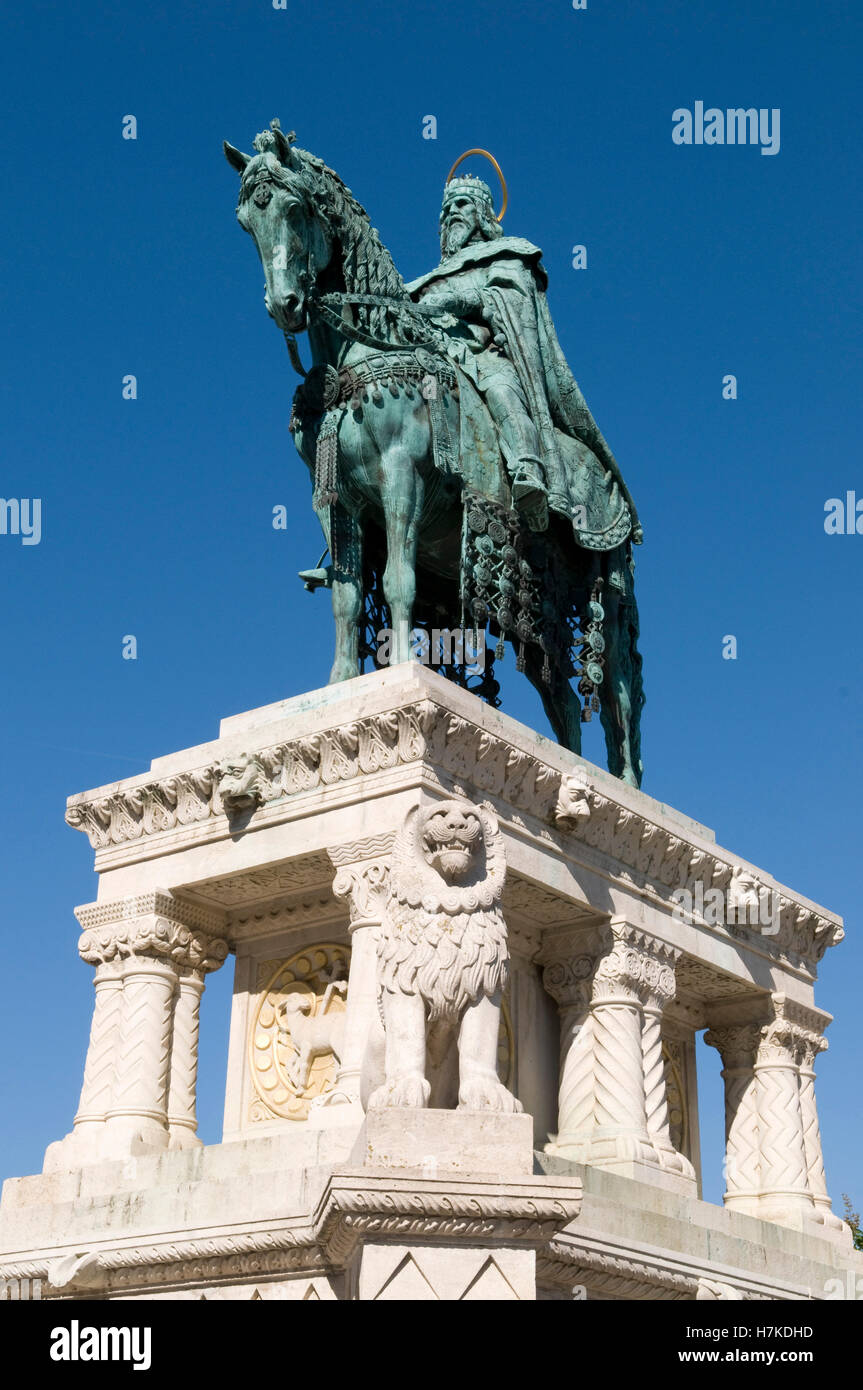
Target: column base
{"type": "Point", "coordinates": [631, 1156]}
{"type": "Point", "coordinates": [100, 1144]}
{"type": "Point", "coordinates": [787, 1209]}
{"type": "Point", "coordinates": [183, 1137]}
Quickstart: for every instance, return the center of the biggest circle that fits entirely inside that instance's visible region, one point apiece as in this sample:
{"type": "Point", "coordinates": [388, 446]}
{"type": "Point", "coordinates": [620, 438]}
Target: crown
{"type": "Point", "coordinates": [471, 185]}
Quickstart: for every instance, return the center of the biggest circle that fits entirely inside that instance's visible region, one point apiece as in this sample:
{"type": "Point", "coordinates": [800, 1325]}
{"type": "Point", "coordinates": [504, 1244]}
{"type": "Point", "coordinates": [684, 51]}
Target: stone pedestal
{"type": "Point", "coordinates": [353, 847]}
{"type": "Point", "coordinates": [442, 1205]}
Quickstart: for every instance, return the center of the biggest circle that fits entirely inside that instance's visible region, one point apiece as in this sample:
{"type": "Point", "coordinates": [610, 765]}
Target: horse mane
{"type": "Point", "coordinates": [367, 265]}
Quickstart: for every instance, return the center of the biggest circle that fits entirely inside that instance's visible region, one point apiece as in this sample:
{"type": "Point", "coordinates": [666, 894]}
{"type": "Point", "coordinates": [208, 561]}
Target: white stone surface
{"type": "Point", "coordinates": [277, 842]}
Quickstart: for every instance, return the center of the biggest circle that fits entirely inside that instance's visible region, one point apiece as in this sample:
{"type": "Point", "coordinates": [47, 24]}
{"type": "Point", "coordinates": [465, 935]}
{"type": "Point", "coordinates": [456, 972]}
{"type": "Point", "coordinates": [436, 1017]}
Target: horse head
{"type": "Point", "coordinates": [277, 209]}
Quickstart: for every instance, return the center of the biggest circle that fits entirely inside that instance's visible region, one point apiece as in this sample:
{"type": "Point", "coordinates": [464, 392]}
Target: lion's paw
{"type": "Point", "coordinates": [404, 1090]}
{"type": "Point", "coordinates": [485, 1093]}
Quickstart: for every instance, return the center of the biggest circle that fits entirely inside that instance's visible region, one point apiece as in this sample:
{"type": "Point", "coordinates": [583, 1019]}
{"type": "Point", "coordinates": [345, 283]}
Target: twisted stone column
{"type": "Point", "coordinates": [774, 1164]}
{"type": "Point", "coordinates": [611, 985]}
{"type": "Point", "coordinates": [101, 1061]}
{"type": "Point", "coordinates": [568, 981]}
{"type": "Point", "coordinates": [811, 1044]}
{"type": "Point", "coordinates": [138, 1109]}
{"type": "Point", "coordinates": [657, 993]}
{"type": "Point", "coordinates": [784, 1170]}
{"type": "Point", "coordinates": [737, 1045]}
{"type": "Point", "coordinates": [139, 1079]}
{"type": "Point", "coordinates": [363, 883]}
{"type": "Point", "coordinates": [183, 1076]}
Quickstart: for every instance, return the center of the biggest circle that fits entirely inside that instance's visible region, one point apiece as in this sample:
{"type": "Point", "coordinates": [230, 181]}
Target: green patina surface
{"type": "Point", "coordinates": [458, 474]}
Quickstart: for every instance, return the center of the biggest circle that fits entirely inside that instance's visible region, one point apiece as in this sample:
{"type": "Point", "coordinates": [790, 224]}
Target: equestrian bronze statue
{"type": "Point", "coordinates": [458, 474]}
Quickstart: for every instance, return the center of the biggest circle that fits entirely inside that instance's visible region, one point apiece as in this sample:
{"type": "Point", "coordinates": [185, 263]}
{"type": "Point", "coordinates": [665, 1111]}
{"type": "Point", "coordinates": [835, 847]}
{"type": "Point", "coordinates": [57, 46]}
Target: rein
{"type": "Point", "coordinates": [326, 304]}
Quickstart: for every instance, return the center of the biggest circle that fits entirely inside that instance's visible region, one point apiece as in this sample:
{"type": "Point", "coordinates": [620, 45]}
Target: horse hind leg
{"type": "Point", "coordinates": [621, 695]}
{"type": "Point", "coordinates": [344, 536]}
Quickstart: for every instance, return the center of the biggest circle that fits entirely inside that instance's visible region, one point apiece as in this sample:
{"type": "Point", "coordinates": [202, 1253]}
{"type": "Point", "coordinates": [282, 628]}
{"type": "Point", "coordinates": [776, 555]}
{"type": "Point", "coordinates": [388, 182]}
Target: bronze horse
{"type": "Point", "coordinates": [369, 428]}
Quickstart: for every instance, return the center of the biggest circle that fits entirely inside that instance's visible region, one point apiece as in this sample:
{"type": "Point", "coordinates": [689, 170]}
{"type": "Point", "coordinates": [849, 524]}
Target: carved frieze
{"type": "Point", "coordinates": [627, 843]}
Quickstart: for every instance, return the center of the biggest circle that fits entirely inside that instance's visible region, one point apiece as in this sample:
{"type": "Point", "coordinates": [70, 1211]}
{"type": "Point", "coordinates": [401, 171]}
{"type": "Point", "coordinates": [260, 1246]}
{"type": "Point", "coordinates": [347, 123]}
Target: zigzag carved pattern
{"type": "Point", "coordinates": [783, 1162]}
{"type": "Point", "coordinates": [101, 1061]}
{"type": "Point", "coordinates": [743, 1167]}
{"type": "Point", "coordinates": [142, 1066]}
{"type": "Point", "coordinates": [812, 1138]}
{"type": "Point", "coordinates": [184, 1056]}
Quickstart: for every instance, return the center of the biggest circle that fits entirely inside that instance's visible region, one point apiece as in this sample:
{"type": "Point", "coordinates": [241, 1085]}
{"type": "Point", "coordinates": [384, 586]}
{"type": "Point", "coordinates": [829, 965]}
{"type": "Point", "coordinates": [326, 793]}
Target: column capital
{"type": "Point", "coordinates": [637, 963]}
{"type": "Point", "coordinates": [363, 878]}
{"type": "Point", "coordinates": [152, 925]}
{"type": "Point", "coordinates": [569, 957]}
{"type": "Point", "coordinates": [736, 1043]}
{"type": "Point", "coordinates": [792, 1034]}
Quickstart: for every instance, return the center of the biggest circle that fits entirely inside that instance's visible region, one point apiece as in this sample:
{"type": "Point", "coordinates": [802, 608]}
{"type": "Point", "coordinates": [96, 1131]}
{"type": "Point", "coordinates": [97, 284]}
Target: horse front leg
{"type": "Point", "coordinates": [402, 497]}
{"type": "Point", "coordinates": [345, 539]}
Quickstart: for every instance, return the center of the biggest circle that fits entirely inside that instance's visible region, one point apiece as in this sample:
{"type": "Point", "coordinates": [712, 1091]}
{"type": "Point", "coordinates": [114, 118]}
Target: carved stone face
{"type": "Point", "coordinates": [238, 782]}
{"type": "Point", "coordinates": [451, 839]}
{"type": "Point", "coordinates": [744, 890]}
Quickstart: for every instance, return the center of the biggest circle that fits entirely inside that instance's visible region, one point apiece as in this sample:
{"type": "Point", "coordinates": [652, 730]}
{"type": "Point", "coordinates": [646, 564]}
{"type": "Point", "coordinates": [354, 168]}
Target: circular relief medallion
{"type": "Point", "coordinates": [297, 1030]}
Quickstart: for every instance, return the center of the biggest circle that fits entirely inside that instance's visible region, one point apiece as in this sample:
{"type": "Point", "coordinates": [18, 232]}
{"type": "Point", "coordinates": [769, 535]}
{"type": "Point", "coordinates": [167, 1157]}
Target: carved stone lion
{"type": "Point", "coordinates": [442, 964]}
{"type": "Point", "coordinates": [573, 802]}
{"type": "Point", "coordinates": [240, 782]}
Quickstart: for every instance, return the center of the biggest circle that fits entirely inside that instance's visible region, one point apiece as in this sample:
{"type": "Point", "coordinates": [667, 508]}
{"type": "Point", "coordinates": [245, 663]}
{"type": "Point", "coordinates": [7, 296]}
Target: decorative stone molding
{"type": "Point", "coordinates": [284, 1249]}
{"type": "Point", "coordinates": [607, 1270]}
{"type": "Point", "coordinates": [654, 857]}
{"type": "Point", "coordinates": [358, 1205]}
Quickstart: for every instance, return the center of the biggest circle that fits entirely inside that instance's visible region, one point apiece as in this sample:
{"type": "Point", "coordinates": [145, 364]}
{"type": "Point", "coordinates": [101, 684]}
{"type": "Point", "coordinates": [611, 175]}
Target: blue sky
{"type": "Point", "coordinates": [125, 257]}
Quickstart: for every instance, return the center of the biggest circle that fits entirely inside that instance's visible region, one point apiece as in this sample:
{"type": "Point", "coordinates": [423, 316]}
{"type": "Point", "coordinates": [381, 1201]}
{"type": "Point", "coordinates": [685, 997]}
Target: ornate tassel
{"type": "Point", "coordinates": [326, 491]}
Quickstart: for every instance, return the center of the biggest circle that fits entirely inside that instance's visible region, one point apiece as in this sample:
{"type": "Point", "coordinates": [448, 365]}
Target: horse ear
{"type": "Point", "coordinates": [235, 157]}
{"type": "Point", "coordinates": [283, 145]}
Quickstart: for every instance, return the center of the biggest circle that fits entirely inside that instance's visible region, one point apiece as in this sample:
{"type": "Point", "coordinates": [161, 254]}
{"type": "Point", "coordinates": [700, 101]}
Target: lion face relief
{"type": "Point", "coordinates": [240, 782]}
{"type": "Point", "coordinates": [451, 841]}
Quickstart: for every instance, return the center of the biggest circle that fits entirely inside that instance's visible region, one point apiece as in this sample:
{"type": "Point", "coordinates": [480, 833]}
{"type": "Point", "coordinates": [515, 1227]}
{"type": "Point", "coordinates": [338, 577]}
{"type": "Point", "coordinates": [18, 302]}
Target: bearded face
{"type": "Point", "coordinates": [461, 224]}
{"type": "Point", "coordinates": [451, 839]}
